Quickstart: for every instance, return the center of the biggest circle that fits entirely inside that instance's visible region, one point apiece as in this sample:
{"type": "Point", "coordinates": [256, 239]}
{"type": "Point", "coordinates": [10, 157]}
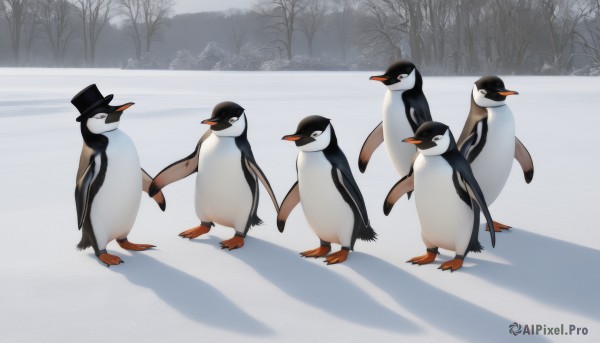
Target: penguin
{"type": "Point", "coordinates": [405, 108]}
{"type": "Point", "coordinates": [227, 180]}
{"type": "Point", "coordinates": [447, 196]}
{"type": "Point", "coordinates": [488, 139]}
{"type": "Point", "coordinates": [109, 179]}
{"type": "Point", "coordinates": [332, 202]}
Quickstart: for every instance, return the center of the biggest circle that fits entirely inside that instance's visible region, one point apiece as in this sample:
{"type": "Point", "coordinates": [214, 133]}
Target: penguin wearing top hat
{"type": "Point", "coordinates": [109, 179]}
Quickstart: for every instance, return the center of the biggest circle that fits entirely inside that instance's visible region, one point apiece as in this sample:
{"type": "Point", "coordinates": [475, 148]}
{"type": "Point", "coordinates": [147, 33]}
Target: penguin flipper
{"type": "Point", "coordinates": [347, 186]}
{"type": "Point", "coordinates": [159, 197]}
{"type": "Point", "coordinates": [255, 169]}
{"type": "Point", "coordinates": [82, 192]}
{"type": "Point", "coordinates": [371, 144]}
{"type": "Point", "coordinates": [524, 158]}
{"type": "Point", "coordinates": [289, 202]}
{"type": "Point", "coordinates": [476, 195]}
{"type": "Point", "coordinates": [178, 169]}
{"type": "Point", "coordinates": [404, 186]}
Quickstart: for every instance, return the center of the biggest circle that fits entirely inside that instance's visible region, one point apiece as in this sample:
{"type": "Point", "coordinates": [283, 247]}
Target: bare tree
{"type": "Point", "coordinates": [14, 12]}
{"type": "Point", "coordinates": [282, 16]}
{"type": "Point", "coordinates": [57, 21]}
{"type": "Point", "coordinates": [311, 21]}
{"type": "Point", "coordinates": [238, 23]}
{"type": "Point", "coordinates": [383, 30]}
{"type": "Point", "coordinates": [343, 22]}
{"type": "Point", "coordinates": [94, 15]}
{"type": "Point", "coordinates": [437, 18]}
{"type": "Point", "coordinates": [145, 19]}
{"type": "Point", "coordinates": [589, 39]}
{"type": "Point", "coordinates": [31, 28]}
{"type": "Point", "coordinates": [156, 14]}
{"type": "Point", "coordinates": [132, 11]}
{"type": "Point", "coordinates": [561, 18]}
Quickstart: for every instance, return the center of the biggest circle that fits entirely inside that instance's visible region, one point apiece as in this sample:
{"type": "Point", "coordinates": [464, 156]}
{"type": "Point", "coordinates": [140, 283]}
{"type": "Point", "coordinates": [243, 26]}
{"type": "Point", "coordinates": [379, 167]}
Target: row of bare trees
{"type": "Point", "coordinates": [460, 36]}
{"type": "Point", "coordinates": [59, 22]}
{"type": "Point", "coordinates": [467, 36]}
{"type": "Point", "coordinates": [443, 36]}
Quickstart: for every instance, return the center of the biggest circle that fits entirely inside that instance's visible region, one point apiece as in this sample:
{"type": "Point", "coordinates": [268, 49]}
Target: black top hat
{"type": "Point", "coordinates": [88, 100]}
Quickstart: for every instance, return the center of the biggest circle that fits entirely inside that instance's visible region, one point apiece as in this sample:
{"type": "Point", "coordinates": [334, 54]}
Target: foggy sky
{"type": "Point", "coordinates": [193, 6]}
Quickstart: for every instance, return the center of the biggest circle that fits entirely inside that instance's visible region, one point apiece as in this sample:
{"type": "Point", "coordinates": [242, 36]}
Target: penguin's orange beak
{"type": "Point", "coordinates": [412, 140]}
{"type": "Point", "coordinates": [124, 107]}
{"type": "Point", "coordinates": [209, 122]}
{"type": "Point", "coordinates": [379, 78]}
{"type": "Point", "coordinates": [292, 138]}
{"type": "Point", "coordinates": [507, 93]}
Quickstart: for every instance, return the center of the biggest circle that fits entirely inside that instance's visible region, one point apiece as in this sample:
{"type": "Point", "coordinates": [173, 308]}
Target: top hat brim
{"type": "Point", "coordinates": [107, 99]}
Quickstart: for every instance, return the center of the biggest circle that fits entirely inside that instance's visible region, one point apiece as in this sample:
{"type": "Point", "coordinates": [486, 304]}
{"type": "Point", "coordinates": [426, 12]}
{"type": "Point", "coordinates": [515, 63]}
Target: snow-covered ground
{"type": "Point", "coordinates": [544, 271]}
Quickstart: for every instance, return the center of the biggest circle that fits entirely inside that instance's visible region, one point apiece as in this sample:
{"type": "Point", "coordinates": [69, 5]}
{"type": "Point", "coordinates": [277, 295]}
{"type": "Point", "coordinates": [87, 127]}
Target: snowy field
{"type": "Point", "coordinates": [544, 271]}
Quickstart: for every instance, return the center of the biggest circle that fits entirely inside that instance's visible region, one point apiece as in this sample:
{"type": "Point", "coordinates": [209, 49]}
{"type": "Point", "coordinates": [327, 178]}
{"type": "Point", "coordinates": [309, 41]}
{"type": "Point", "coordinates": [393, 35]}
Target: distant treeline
{"type": "Point", "coordinates": [441, 36]}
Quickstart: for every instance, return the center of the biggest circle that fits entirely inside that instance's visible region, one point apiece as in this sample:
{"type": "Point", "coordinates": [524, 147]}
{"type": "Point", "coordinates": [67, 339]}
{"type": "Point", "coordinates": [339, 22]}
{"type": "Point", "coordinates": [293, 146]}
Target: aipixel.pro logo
{"type": "Point", "coordinates": [516, 329]}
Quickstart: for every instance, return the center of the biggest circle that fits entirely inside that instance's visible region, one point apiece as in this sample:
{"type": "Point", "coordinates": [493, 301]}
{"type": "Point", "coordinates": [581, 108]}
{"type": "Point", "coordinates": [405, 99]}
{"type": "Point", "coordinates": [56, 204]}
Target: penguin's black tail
{"type": "Point", "coordinates": [84, 243]}
{"type": "Point", "coordinates": [255, 221]}
{"type": "Point", "coordinates": [474, 245]}
{"type": "Point", "coordinates": [367, 234]}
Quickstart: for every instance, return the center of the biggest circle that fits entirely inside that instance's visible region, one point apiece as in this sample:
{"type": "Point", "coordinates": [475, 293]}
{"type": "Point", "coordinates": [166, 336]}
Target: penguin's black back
{"type": "Point", "coordinates": [476, 114]}
{"type": "Point", "coordinates": [94, 145]}
{"type": "Point", "coordinates": [415, 98]}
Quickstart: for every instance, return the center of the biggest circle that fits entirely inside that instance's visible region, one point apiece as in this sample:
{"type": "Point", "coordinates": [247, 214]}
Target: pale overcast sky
{"type": "Point", "coordinates": [192, 6]}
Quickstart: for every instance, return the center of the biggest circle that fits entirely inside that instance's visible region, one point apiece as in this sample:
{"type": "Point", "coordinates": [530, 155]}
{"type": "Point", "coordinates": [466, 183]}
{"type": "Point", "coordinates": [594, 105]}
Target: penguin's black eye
{"type": "Point", "coordinates": [233, 120]}
{"type": "Point", "coordinates": [483, 91]}
{"type": "Point", "coordinates": [316, 133]}
{"type": "Point", "coordinates": [437, 138]}
{"type": "Point", "coordinates": [402, 76]}
{"type": "Point", "coordinates": [100, 116]}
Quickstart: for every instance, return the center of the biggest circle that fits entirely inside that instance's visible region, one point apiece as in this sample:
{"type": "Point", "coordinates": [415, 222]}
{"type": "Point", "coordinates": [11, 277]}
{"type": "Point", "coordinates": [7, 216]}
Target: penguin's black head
{"type": "Point", "coordinates": [401, 75]}
{"type": "Point", "coordinates": [432, 138]}
{"type": "Point", "coordinates": [96, 113]}
{"type": "Point", "coordinates": [314, 133]}
{"type": "Point", "coordinates": [489, 91]}
{"type": "Point", "coordinates": [228, 119]}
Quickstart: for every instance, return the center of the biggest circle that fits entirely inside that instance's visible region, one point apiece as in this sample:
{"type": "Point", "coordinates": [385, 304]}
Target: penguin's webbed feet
{"type": "Point", "coordinates": [423, 259]}
{"type": "Point", "coordinates": [125, 244]}
{"type": "Point", "coordinates": [110, 260]}
{"type": "Point", "coordinates": [498, 227]}
{"type": "Point", "coordinates": [195, 232]}
{"type": "Point", "coordinates": [337, 257]}
{"type": "Point", "coordinates": [318, 252]}
{"type": "Point", "coordinates": [233, 243]}
{"type": "Point", "coordinates": [452, 265]}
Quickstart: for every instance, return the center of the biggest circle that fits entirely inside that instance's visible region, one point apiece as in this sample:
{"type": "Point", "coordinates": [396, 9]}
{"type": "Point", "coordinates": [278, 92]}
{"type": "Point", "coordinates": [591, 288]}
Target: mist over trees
{"type": "Point", "coordinates": [441, 36]}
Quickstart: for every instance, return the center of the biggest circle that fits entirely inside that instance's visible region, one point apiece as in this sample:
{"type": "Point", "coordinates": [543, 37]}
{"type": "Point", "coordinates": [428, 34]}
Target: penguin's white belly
{"type": "Point", "coordinates": [330, 217]}
{"type": "Point", "coordinates": [223, 195]}
{"type": "Point", "coordinates": [446, 221]}
{"type": "Point", "coordinates": [492, 167]}
{"type": "Point", "coordinates": [396, 128]}
{"type": "Point", "coordinates": [115, 206]}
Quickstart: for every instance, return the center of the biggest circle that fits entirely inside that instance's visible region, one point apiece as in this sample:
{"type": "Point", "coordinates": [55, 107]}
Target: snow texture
{"type": "Point", "coordinates": [544, 271]}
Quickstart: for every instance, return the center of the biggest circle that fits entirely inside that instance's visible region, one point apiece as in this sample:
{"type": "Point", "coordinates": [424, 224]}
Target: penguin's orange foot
{"type": "Point", "coordinates": [195, 232]}
{"type": "Point", "coordinates": [233, 243]}
{"type": "Point", "coordinates": [498, 227]}
{"type": "Point", "coordinates": [125, 244]}
{"type": "Point", "coordinates": [453, 265]}
{"type": "Point", "coordinates": [337, 257]}
{"type": "Point", "coordinates": [110, 260]}
{"type": "Point", "coordinates": [423, 259]}
{"type": "Point", "coordinates": [318, 252]}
